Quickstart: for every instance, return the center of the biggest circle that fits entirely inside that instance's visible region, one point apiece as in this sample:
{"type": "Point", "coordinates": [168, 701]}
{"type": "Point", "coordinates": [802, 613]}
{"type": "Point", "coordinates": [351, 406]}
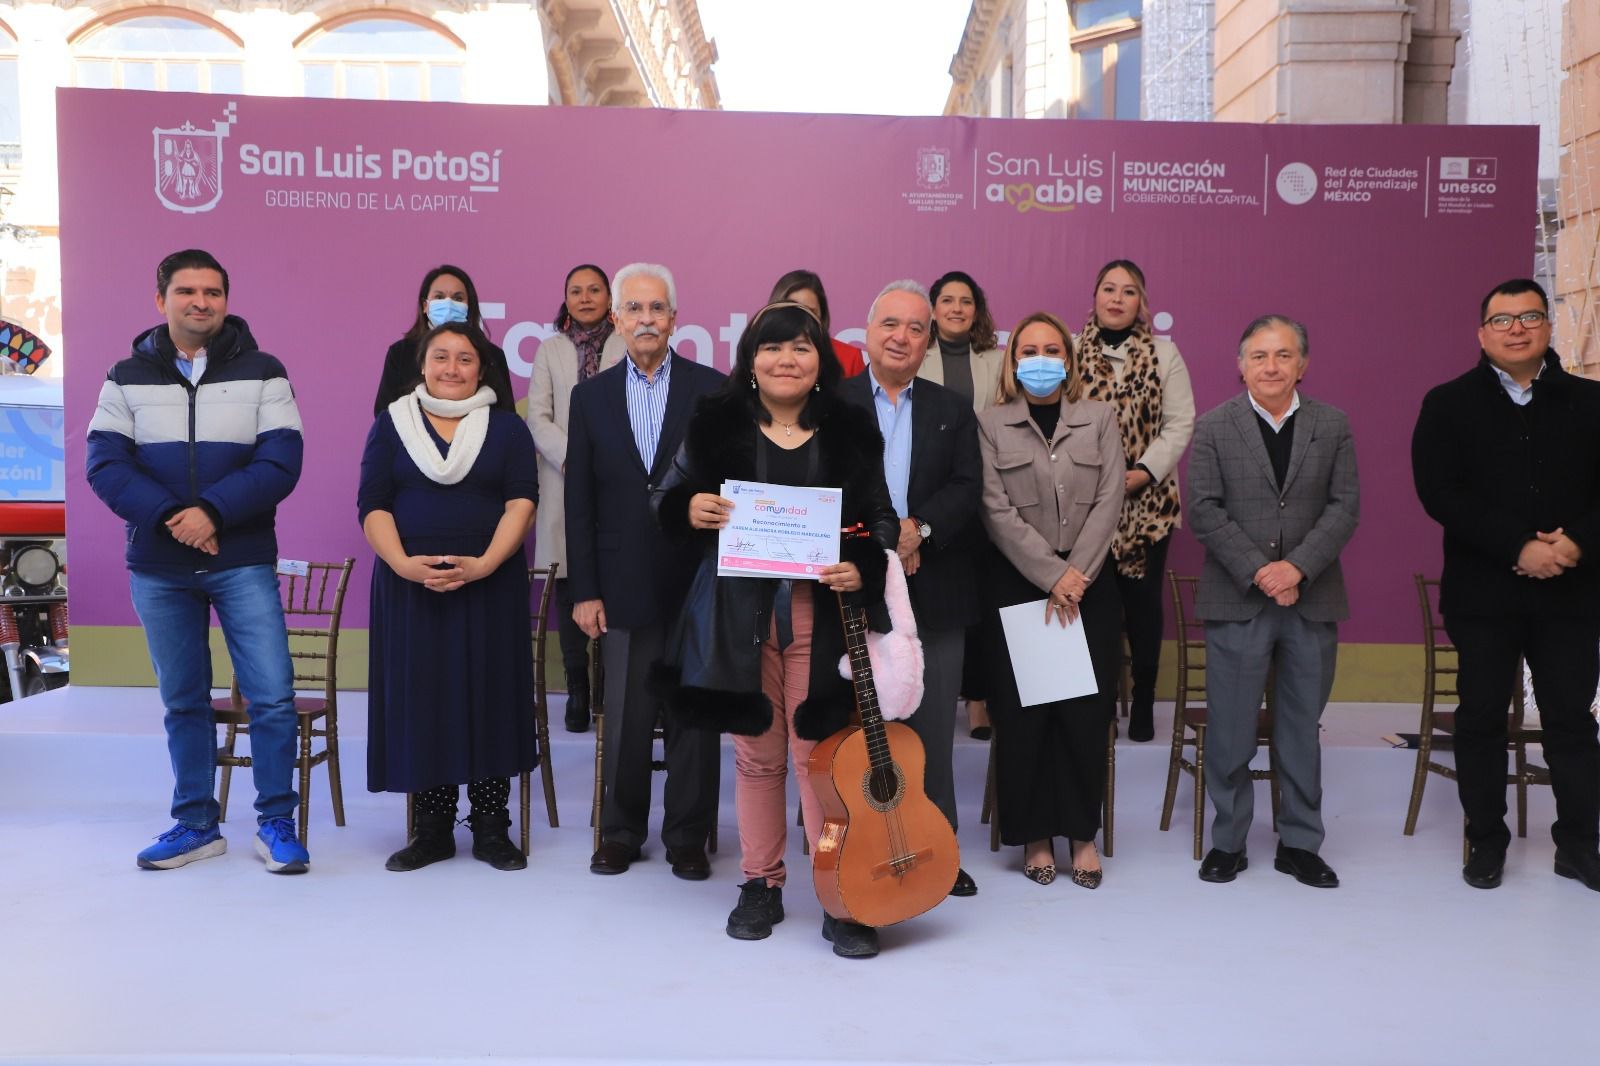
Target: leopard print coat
{"type": "Point", "coordinates": [1151, 514]}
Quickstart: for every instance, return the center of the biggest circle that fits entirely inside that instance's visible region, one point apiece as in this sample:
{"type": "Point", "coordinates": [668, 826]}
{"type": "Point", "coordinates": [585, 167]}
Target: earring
{"type": "Point", "coordinates": [752, 381]}
{"type": "Point", "coordinates": [816, 386]}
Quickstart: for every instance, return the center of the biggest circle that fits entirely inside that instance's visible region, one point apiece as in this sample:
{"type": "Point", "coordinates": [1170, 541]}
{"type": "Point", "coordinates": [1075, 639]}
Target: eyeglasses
{"type": "Point", "coordinates": [635, 309]}
{"type": "Point", "coordinates": [1529, 320]}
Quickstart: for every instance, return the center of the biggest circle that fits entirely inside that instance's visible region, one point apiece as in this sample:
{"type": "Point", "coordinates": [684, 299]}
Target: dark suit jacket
{"type": "Point", "coordinates": [615, 550]}
{"type": "Point", "coordinates": [1245, 521]}
{"type": "Point", "coordinates": [945, 491]}
{"type": "Point", "coordinates": [1493, 474]}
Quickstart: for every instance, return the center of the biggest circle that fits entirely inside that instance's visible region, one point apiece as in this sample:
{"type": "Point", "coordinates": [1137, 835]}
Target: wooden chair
{"type": "Point", "coordinates": [1189, 714]}
{"type": "Point", "coordinates": [990, 816]}
{"type": "Point", "coordinates": [546, 576]}
{"type": "Point", "coordinates": [1440, 668]}
{"type": "Point", "coordinates": [597, 707]}
{"type": "Point", "coordinates": [541, 719]}
{"type": "Point", "coordinates": [1124, 678]}
{"type": "Point", "coordinates": [313, 604]}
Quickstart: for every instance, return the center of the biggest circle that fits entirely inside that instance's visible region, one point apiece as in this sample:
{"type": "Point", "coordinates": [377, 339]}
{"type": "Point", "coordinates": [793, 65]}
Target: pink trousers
{"type": "Point", "coordinates": [761, 762]}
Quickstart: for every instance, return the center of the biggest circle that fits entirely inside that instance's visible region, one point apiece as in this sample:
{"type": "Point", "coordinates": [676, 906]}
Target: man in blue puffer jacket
{"type": "Point", "coordinates": [195, 440]}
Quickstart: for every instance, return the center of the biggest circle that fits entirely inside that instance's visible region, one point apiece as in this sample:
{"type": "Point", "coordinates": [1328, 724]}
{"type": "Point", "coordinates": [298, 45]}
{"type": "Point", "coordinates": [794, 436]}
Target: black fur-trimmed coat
{"type": "Point", "coordinates": [711, 672]}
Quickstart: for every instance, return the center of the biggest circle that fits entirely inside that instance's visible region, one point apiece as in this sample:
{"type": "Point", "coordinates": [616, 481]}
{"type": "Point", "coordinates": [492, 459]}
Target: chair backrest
{"type": "Point", "coordinates": [1441, 663]}
{"type": "Point", "coordinates": [313, 605]}
{"type": "Point", "coordinates": [546, 575]}
{"type": "Point", "coordinates": [1191, 641]}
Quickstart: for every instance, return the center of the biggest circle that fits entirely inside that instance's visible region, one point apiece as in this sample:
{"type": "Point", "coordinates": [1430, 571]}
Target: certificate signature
{"type": "Point", "coordinates": [778, 531]}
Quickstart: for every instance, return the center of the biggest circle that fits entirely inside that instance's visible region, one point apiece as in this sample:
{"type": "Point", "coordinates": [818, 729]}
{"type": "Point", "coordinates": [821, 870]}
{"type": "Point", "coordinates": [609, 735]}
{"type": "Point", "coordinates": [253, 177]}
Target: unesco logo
{"type": "Point", "coordinates": [1297, 183]}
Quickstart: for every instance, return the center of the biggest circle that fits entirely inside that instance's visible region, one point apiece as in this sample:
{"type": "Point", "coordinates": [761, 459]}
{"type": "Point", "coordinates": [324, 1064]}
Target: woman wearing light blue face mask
{"type": "Point", "coordinates": [446, 295]}
{"type": "Point", "coordinates": [1052, 495]}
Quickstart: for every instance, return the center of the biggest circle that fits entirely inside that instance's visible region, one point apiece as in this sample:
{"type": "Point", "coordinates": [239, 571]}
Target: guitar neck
{"type": "Point", "coordinates": [855, 642]}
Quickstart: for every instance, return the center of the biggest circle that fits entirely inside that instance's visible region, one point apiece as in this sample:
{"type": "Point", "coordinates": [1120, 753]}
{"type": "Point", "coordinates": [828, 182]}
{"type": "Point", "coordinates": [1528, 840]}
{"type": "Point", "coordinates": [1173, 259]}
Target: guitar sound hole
{"type": "Point", "coordinates": [884, 787]}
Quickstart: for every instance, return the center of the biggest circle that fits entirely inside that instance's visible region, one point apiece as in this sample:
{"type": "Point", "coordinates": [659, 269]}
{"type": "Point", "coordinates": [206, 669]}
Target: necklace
{"type": "Point", "coordinates": [788, 427]}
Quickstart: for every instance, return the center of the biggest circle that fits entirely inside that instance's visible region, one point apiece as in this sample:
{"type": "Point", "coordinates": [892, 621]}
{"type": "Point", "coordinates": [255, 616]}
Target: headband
{"type": "Point", "coordinates": [776, 304]}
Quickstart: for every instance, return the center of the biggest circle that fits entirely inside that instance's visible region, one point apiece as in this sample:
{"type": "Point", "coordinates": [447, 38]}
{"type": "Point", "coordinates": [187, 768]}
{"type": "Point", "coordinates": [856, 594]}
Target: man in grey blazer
{"type": "Point", "coordinates": [1275, 499]}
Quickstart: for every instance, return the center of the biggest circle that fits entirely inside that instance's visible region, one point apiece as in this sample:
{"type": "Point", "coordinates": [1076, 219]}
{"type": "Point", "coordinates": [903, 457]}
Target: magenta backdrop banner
{"type": "Point", "coordinates": [327, 213]}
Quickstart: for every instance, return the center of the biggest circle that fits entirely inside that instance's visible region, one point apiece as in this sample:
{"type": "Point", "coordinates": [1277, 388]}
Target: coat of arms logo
{"type": "Point", "coordinates": [189, 164]}
{"type": "Point", "coordinates": [933, 167]}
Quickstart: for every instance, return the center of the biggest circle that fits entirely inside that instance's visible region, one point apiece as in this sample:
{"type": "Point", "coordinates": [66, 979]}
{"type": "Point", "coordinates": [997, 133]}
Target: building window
{"type": "Point", "coordinates": [382, 59]}
{"type": "Point", "coordinates": [1106, 58]}
{"type": "Point", "coordinates": [10, 109]}
{"type": "Point", "coordinates": [159, 52]}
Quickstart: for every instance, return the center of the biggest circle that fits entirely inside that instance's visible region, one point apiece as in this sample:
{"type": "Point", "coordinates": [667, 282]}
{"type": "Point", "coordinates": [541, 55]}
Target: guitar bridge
{"type": "Point", "coordinates": [900, 865]}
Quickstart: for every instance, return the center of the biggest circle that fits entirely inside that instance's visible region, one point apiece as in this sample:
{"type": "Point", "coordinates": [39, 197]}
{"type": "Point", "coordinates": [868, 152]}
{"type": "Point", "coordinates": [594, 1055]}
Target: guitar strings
{"type": "Point", "coordinates": [876, 739]}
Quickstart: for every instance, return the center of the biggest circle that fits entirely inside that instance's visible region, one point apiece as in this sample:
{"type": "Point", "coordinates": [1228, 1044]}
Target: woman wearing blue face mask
{"type": "Point", "coordinates": [446, 295]}
{"type": "Point", "coordinates": [1052, 494]}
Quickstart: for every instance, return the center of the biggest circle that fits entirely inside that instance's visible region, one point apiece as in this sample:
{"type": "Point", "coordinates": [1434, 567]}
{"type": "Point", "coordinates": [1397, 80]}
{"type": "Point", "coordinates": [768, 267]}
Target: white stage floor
{"type": "Point", "coordinates": [218, 962]}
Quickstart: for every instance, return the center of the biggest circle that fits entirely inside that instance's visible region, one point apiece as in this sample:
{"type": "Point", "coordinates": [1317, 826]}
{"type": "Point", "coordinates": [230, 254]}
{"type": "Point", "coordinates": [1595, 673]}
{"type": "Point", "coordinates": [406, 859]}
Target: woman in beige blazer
{"type": "Point", "coordinates": [1052, 492]}
{"type": "Point", "coordinates": [585, 344]}
{"type": "Point", "coordinates": [964, 357]}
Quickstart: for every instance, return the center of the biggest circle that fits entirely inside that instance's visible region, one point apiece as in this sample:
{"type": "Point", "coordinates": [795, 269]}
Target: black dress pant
{"type": "Point", "coordinates": [693, 756]}
{"type": "Point", "coordinates": [1563, 655]}
{"type": "Point", "coordinates": [1050, 759]}
{"type": "Point", "coordinates": [1143, 617]}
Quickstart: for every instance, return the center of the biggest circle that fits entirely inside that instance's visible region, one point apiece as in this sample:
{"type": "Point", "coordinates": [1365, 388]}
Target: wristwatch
{"type": "Point", "coordinates": [924, 530]}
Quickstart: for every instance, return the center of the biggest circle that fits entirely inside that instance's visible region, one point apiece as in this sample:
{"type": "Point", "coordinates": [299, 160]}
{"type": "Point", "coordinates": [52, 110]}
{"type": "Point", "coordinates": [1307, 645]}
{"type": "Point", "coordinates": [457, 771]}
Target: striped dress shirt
{"type": "Point", "coordinates": [647, 406]}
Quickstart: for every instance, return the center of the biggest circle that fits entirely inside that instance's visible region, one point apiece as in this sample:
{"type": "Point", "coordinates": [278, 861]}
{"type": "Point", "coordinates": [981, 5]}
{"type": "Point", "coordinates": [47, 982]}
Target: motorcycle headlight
{"type": "Point", "coordinates": [36, 566]}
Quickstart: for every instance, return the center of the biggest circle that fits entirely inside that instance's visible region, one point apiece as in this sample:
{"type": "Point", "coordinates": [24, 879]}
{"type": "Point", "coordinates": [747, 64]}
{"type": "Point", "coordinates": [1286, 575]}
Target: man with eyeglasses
{"type": "Point", "coordinates": [628, 582]}
{"type": "Point", "coordinates": [1507, 459]}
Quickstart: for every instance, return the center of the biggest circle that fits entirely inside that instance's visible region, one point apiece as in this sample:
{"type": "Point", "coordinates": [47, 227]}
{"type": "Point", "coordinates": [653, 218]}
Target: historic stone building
{"type": "Point", "coordinates": [620, 53]}
{"type": "Point", "coordinates": [1380, 61]}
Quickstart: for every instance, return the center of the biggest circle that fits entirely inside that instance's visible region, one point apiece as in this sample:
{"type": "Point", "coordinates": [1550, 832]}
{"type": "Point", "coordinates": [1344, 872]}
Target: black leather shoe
{"type": "Point", "coordinates": [613, 857]}
{"type": "Point", "coordinates": [1581, 866]}
{"type": "Point", "coordinates": [1220, 866]}
{"type": "Point", "coordinates": [965, 885]}
{"type": "Point", "coordinates": [1306, 867]}
{"type": "Point", "coordinates": [1485, 865]}
{"type": "Point", "coordinates": [577, 712]}
{"type": "Point", "coordinates": [759, 909]}
{"type": "Point", "coordinates": [690, 864]}
{"type": "Point", "coordinates": [850, 941]}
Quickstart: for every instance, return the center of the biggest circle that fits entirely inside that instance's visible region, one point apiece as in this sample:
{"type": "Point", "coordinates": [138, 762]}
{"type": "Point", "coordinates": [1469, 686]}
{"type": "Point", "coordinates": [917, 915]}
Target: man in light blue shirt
{"type": "Point", "coordinates": [932, 466]}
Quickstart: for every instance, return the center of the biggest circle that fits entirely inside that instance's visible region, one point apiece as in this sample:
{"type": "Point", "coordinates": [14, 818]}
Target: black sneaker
{"type": "Point", "coordinates": [850, 939]}
{"type": "Point", "coordinates": [759, 909]}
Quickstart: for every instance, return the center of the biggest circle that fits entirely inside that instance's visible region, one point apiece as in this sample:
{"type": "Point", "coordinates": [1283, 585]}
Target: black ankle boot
{"type": "Point", "coordinates": [433, 840]}
{"type": "Point", "coordinates": [577, 716]}
{"type": "Point", "coordinates": [491, 844]}
{"type": "Point", "coordinates": [1141, 717]}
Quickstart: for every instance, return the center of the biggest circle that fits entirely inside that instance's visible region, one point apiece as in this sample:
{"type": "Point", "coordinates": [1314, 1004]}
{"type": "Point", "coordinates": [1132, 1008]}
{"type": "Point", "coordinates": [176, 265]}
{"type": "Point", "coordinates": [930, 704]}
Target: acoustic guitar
{"type": "Point", "coordinates": [885, 852]}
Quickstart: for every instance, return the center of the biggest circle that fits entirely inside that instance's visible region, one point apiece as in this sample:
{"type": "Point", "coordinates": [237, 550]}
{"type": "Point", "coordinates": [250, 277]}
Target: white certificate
{"type": "Point", "coordinates": [778, 531]}
{"type": "Point", "coordinates": [1050, 662]}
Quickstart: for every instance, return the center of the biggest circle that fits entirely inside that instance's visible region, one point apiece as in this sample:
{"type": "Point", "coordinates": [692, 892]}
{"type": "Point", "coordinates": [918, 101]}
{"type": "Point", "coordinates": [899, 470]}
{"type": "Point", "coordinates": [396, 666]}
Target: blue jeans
{"type": "Point", "coordinates": [174, 608]}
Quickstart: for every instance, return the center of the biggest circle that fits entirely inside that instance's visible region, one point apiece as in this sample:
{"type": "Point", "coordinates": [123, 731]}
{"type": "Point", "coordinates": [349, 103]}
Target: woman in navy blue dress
{"type": "Point", "coordinates": [448, 488]}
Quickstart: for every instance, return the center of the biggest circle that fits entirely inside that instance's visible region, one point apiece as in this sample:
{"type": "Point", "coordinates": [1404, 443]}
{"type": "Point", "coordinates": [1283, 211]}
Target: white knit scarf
{"type": "Point", "coordinates": [464, 446]}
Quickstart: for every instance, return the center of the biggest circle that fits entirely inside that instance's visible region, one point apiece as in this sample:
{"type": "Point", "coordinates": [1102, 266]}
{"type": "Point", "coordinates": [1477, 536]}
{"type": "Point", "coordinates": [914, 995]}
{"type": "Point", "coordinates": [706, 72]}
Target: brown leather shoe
{"type": "Point", "coordinates": [689, 863]}
{"type": "Point", "coordinates": [613, 857]}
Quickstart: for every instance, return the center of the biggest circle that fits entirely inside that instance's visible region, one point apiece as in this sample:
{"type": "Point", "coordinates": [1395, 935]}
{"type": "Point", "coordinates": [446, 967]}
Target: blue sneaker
{"type": "Point", "coordinates": [182, 845]}
{"type": "Point", "coordinates": [277, 843]}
